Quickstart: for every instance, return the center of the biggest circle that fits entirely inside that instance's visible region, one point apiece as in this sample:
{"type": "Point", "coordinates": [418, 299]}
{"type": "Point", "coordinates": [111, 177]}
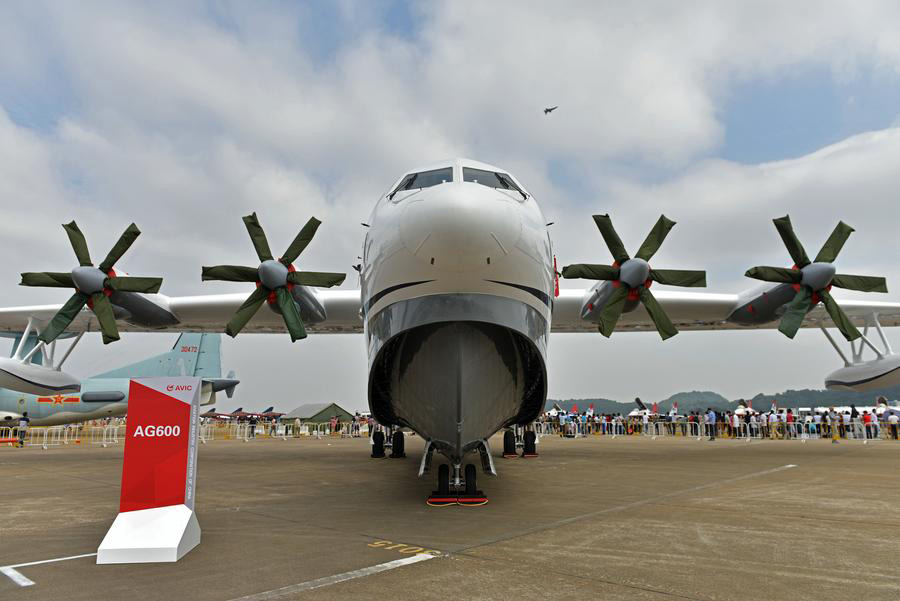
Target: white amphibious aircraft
{"type": "Point", "coordinates": [459, 294]}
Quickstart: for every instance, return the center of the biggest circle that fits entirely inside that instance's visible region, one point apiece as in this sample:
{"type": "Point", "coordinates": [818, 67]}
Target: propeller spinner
{"type": "Point", "coordinates": [274, 278]}
{"type": "Point", "coordinates": [632, 277]}
{"type": "Point", "coordinates": [813, 279]}
{"type": "Point", "coordinates": [93, 285]}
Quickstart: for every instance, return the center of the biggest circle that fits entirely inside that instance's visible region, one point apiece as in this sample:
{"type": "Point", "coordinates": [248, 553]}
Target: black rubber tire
{"type": "Point", "coordinates": [397, 445]}
{"type": "Point", "coordinates": [529, 447]}
{"type": "Point", "coordinates": [378, 445]}
{"type": "Point", "coordinates": [444, 479]}
{"type": "Point", "coordinates": [470, 479]}
{"type": "Point", "coordinates": [509, 443]}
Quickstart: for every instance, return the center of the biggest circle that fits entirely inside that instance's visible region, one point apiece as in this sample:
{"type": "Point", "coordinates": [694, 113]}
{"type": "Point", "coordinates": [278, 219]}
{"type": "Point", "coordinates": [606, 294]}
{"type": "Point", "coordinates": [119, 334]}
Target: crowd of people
{"type": "Point", "coordinates": [778, 424]}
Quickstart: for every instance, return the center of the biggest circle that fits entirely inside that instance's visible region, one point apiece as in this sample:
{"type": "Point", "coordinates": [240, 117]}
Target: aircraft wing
{"type": "Point", "coordinates": [707, 311]}
{"type": "Point", "coordinates": [210, 313]}
{"type": "Point", "coordinates": [207, 313]}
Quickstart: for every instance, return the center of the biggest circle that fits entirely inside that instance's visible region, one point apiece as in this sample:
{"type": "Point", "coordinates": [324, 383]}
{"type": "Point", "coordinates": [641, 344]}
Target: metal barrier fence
{"type": "Point", "coordinates": [800, 430]}
{"type": "Point", "coordinates": [53, 436]}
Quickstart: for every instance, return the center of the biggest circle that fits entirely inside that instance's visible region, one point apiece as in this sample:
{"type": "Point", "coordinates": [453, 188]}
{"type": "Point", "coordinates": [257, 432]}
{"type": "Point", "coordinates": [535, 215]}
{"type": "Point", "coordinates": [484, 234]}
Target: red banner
{"type": "Point", "coordinates": [160, 461]}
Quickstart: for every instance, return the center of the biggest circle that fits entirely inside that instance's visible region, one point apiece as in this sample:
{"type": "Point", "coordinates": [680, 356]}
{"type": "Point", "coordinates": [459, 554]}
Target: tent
{"type": "Point", "coordinates": [317, 413]}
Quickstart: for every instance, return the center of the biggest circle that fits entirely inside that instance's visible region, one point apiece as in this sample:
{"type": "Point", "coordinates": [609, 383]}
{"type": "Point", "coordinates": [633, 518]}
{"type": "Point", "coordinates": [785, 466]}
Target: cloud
{"type": "Point", "coordinates": [183, 117]}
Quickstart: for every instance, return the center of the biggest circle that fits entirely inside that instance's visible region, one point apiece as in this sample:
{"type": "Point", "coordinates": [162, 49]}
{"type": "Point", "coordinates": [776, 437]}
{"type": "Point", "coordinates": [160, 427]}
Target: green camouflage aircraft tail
{"type": "Point", "coordinates": [193, 355]}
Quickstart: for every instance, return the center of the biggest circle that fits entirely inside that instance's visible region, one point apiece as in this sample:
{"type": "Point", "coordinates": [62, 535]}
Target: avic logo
{"type": "Point", "coordinates": [180, 387]}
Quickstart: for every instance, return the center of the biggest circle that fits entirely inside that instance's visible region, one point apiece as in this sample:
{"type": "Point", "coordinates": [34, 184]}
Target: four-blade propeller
{"type": "Point", "coordinates": [632, 277]}
{"type": "Point", "coordinates": [813, 279]}
{"type": "Point", "coordinates": [275, 279]}
{"type": "Point", "coordinates": [93, 285]}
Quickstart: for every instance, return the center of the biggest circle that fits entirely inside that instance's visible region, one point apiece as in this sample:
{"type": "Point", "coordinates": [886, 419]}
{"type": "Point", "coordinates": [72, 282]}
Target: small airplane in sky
{"type": "Point", "coordinates": [549, 110]}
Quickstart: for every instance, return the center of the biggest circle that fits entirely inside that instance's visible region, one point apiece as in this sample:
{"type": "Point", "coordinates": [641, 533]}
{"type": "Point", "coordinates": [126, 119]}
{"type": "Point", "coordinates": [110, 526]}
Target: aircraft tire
{"type": "Point", "coordinates": [509, 443]}
{"type": "Point", "coordinates": [470, 479]}
{"type": "Point", "coordinates": [444, 479]}
{"type": "Point", "coordinates": [398, 442]}
{"type": "Point", "coordinates": [378, 445]}
{"type": "Point", "coordinates": [529, 448]}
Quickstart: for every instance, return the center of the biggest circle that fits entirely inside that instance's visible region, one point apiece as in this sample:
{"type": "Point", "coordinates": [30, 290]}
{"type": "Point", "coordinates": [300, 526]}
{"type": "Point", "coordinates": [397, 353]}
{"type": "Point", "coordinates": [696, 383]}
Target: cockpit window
{"type": "Point", "coordinates": [491, 180]}
{"type": "Point", "coordinates": [425, 179]}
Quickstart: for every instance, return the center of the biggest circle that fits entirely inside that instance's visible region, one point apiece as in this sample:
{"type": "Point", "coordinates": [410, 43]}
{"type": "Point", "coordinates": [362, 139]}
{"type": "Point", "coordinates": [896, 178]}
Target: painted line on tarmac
{"type": "Point", "coordinates": [626, 506]}
{"type": "Point", "coordinates": [20, 579]}
{"type": "Point", "coordinates": [285, 591]}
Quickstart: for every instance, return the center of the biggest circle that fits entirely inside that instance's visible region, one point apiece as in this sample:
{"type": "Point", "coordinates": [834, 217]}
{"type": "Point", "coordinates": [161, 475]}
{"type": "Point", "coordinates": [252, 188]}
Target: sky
{"type": "Point", "coordinates": [184, 116]}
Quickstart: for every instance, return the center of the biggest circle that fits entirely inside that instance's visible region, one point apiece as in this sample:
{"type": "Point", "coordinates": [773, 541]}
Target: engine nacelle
{"type": "Point", "coordinates": [870, 375]}
{"type": "Point", "coordinates": [35, 379]}
{"type": "Point", "coordinates": [9, 419]}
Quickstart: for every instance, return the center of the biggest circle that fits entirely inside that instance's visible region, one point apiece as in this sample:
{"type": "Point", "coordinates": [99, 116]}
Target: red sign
{"type": "Point", "coordinates": [160, 443]}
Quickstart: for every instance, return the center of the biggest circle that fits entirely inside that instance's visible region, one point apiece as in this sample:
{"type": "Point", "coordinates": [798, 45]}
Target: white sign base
{"type": "Point", "coordinates": [161, 534]}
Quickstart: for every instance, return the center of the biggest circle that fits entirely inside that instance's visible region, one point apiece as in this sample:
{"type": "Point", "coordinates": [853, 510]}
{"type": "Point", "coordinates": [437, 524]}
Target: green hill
{"type": "Point", "coordinates": [701, 399]}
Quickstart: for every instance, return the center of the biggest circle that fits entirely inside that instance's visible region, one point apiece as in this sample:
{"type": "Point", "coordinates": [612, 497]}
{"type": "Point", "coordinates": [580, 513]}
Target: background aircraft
{"type": "Point", "coordinates": [106, 394]}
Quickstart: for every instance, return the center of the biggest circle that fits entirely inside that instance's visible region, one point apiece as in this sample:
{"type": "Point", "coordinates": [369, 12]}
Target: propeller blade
{"type": "Point", "coordinates": [79, 244]}
{"type": "Point", "coordinates": [841, 321]}
{"type": "Point", "coordinates": [863, 283]}
{"type": "Point", "coordinates": [258, 237]}
{"type": "Point", "coordinates": [301, 241]}
{"type": "Point", "coordinates": [590, 272]}
{"type": "Point", "coordinates": [835, 242]}
{"type": "Point", "coordinates": [610, 313]}
{"type": "Point", "coordinates": [322, 279]}
{"type": "Point", "coordinates": [230, 273]}
{"type": "Point", "coordinates": [775, 274]}
{"type": "Point", "coordinates": [796, 311]}
{"type": "Point", "coordinates": [102, 308]}
{"type": "Point", "coordinates": [290, 313]}
{"type": "Point", "coordinates": [663, 324]}
{"type": "Point", "coordinates": [679, 277]}
{"type": "Point", "coordinates": [613, 242]}
{"type": "Point", "coordinates": [47, 278]}
{"type": "Point", "coordinates": [64, 317]}
{"type": "Point", "coordinates": [655, 238]}
{"type": "Point", "coordinates": [246, 311]}
{"type": "Point", "coordinates": [135, 284]}
{"type": "Point", "coordinates": [122, 244]}
{"type": "Point", "coordinates": [786, 230]}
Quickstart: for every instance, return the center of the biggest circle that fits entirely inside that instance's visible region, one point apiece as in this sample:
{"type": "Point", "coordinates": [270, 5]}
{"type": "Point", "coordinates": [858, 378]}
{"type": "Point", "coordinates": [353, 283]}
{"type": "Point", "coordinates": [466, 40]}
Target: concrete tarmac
{"type": "Point", "coordinates": [595, 518]}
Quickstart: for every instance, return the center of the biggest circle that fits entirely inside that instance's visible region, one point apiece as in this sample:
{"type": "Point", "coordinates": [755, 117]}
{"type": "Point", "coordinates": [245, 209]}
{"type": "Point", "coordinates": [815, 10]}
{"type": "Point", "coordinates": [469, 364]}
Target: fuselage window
{"type": "Point", "coordinates": [491, 180]}
{"type": "Point", "coordinates": [425, 179]}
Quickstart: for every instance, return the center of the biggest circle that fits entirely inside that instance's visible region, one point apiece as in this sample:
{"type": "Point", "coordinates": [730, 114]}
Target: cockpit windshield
{"type": "Point", "coordinates": [491, 180]}
{"type": "Point", "coordinates": [425, 179]}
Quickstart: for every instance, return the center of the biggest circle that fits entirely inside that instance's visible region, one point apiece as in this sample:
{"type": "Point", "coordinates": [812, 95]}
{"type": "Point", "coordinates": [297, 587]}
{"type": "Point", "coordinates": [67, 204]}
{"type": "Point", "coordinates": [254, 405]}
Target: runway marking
{"type": "Point", "coordinates": [285, 591]}
{"type": "Point", "coordinates": [20, 579]}
{"type": "Point", "coordinates": [402, 548]}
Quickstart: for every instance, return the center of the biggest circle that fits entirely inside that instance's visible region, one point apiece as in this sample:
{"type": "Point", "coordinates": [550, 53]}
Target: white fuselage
{"type": "Point", "coordinates": [457, 255]}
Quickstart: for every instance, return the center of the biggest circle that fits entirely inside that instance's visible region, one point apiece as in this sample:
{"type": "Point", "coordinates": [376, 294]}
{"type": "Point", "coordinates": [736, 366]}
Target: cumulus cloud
{"type": "Point", "coordinates": [183, 117]}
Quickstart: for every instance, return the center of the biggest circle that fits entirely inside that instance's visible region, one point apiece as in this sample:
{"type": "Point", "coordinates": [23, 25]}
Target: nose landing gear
{"type": "Point", "coordinates": [461, 491]}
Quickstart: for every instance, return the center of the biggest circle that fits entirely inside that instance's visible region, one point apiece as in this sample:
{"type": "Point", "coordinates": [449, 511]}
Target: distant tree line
{"type": "Point", "coordinates": [701, 399]}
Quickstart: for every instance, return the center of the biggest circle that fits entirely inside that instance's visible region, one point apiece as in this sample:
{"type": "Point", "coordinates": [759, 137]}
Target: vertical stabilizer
{"type": "Point", "coordinates": [196, 355]}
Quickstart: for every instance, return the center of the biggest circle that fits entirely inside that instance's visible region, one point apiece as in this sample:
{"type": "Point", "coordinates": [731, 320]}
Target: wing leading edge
{"type": "Point", "coordinates": [707, 311]}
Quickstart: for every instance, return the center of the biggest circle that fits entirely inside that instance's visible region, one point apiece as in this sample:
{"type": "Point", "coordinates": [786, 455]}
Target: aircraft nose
{"type": "Point", "coordinates": [461, 227]}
